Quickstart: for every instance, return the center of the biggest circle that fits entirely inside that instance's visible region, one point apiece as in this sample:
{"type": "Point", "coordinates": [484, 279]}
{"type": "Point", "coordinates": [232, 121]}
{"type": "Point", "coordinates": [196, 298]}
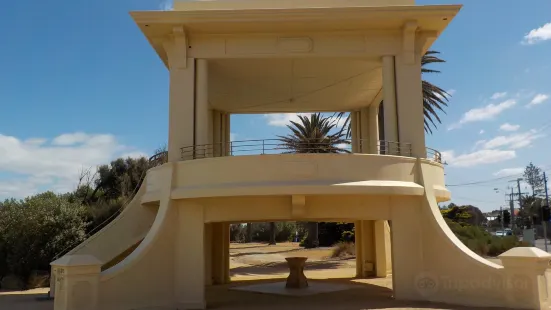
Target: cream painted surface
{"type": "Point", "coordinates": [290, 85]}
{"type": "Point", "coordinates": [184, 5]}
{"type": "Point", "coordinates": [423, 249]}
{"type": "Point", "coordinates": [125, 230]}
{"type": "Point", "coordinates": [300, 54]}
{"type": "Point", "coordinates": [300, 174]}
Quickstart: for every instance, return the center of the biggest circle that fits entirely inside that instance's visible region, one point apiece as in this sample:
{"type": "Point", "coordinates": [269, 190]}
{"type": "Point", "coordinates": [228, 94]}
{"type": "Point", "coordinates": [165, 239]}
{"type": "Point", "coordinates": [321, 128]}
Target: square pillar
{"type": "Point", "coordinates": [365, 248]}
{"type": "Point", "coordinates": [390, 108]}
{"type": "Point", "coordinates": [372, 248]}
{"type": "Point", "coordinates": [407, 246]}
{"type": "Point", "coordinates": [181, 111]}
{"type": "Point", "coordinates": [383, 261]}
{"type": "Point", "coordinates": [209, 243]}
{"type": "Point", "coordinates": [410, 106]}
{"type": "Point", "coordinates": [526, 278]}
{"type": "Point", "coordinates": [203, 149]}
{"type": "Point", "coordinates": [226, 248]}
{"type": "Point", "coordinates": [220, 253]}
{"type": "Point", "coordinates": [77, 282]}
{"type": "Point", "coordinates": [189, 276]}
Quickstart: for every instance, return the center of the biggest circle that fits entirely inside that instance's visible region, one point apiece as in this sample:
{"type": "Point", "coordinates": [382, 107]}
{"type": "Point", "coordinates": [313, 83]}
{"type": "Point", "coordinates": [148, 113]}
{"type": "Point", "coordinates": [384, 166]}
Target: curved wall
{"type": "Point", "coordinates": [302, 174]}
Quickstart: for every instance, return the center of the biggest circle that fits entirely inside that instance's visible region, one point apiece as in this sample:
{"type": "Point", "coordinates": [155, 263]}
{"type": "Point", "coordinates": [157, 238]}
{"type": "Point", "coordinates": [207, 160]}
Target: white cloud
{"type": "Point", "coordinates": [498, 95]}
{"type": "Point", "coordinates": [481, 131]}
{"type": "Point", "coordinates": [166, 5]}
{"type": "Point", "coordinates": [509, 172]}
{"type": "Point", "coordinates": [538, 99]}
{"type": "Point", "coordinates": [284, 119]}
{"type": "Point", "coordinates": [37, 165]}
{"type": "Point", "coordinates": [509, 127]}
{"type": "Point", "coordinates": [513, 141]}
{"type": "Point", "coordinates": [70, 138]}
{"type": "Point", "coordinates": [542, 33]}
{"type": "Point", "coordinates": [476, 158]}
{"type": "Point", "coordinates": [485, 113]}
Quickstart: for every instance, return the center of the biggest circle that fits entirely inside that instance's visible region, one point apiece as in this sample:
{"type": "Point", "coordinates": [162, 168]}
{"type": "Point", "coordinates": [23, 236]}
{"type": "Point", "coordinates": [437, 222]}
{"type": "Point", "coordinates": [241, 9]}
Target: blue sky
{"type": "Point", "coordinates": [78, 79]}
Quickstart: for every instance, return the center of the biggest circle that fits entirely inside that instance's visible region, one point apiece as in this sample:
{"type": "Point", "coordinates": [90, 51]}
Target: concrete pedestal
{"type": "Point", "coordinates": [296, 278]}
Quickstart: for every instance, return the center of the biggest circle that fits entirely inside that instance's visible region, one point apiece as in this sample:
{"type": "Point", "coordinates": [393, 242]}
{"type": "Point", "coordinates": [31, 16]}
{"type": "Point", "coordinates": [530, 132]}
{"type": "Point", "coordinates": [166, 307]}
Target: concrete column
{"type": "Point", "coordinates": [407, 246]}
{"type": "Point", "coordinates": [389, 102]}
{"type": "Point", "coordinates": [227, 135]}
{"type": "Point", "coordinates": [217, 132]}
{"type": "Point", "coordinates": [365, 248]}
{"type": "Point", "coordinates": [217, 254]}
{"type": "Point", "coordinates": [202, 110]}
{"type": "Point", "coordinates": [373, 121]}
{"type": "Point", "coordinates": [410, 106]}
{"type": "Point", "coordinates": [383, 260]}
{"type": "Point", "coordinates": [226, 243]}
{"type": "Point", "coordinates": [190, 257]}
{"type": "Point", "coordinates": [365, 138]}
{"type": "Point", "coordinates": [355, 131]}
{"type": "Point", "coordinates": [211, 130]}
{"type": "Point", "coordinates": [181, 120]}
{"type": "Point", "coordinates": [209, 257]}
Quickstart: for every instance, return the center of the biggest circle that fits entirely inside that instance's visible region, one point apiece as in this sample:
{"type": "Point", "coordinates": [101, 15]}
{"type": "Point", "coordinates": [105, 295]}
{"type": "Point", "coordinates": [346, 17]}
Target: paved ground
{"type": "Point", "coordinates": [256, 263]}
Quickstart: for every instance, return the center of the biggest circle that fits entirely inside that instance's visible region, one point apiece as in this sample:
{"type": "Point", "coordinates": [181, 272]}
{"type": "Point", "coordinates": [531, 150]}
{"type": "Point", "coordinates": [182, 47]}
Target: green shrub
{"type": "Point", "coordinates": [34, 230]}
{"type": "Point", "coordinates": [343, 249]}
{"type": "Point", "coordinates": [482, 242]}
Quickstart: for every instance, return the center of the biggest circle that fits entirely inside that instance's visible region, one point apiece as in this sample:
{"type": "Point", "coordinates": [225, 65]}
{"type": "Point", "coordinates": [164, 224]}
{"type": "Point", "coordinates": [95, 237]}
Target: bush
{"type": "Point", "coordinates": [481, 242]}
{"type": "Point", "coordinates": [344, 249]}
{"type": "Point", "coordinates": [34, 230]}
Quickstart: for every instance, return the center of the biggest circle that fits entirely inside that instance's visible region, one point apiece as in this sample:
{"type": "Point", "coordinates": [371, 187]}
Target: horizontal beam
{"type": "Point", "coordinates": [335, 44]}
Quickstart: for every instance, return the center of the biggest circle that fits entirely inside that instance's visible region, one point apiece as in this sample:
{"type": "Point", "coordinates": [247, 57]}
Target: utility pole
{"type": "Point", "coordinates": [547, 203]}
{"type": "Point", "coordinates": [512, 210]}
{"type": "Point", "coordinates": [502, 218]}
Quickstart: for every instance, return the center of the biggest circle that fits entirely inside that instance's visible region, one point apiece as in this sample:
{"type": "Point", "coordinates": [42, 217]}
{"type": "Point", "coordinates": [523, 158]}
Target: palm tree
{"type": "Point", "coordinates": [313, 134]}
{"type": "Point", "coordinates": [434, 97]}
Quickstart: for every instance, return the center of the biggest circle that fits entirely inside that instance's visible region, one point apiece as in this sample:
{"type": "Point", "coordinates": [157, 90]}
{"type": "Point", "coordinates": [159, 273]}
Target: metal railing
{"type": "Point", "coordinates": [155, 160]}
{"type": "Point", "coordinates": [434, 155]}
{"type": "Point", "coordinates": [277, 146]}
{"type": "Point", "coordinates": [158, 159]}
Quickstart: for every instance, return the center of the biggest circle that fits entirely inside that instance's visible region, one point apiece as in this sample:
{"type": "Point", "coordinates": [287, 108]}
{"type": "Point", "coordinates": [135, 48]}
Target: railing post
{"type": "Point", "coordinates": [262, 147]}
{"type": "Point", "coordinates": [231, 148]}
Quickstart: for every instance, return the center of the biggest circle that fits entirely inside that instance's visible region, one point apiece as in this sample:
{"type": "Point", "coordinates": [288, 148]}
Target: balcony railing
{"type": "Point", "coordinates": [276, 146]}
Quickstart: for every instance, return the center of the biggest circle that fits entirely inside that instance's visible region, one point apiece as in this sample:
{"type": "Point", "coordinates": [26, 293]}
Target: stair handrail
{"type": "Point", "coordinates": [155, 160]}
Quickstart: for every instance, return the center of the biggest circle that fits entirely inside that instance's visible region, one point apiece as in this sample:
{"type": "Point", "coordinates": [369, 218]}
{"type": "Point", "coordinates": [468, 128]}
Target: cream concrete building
{"type": "Point", "coordinates": [274, 56]}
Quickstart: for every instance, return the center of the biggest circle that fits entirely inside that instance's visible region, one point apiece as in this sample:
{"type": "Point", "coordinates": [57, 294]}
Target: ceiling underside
{"type": "Point", "coordinates": [292, 85]}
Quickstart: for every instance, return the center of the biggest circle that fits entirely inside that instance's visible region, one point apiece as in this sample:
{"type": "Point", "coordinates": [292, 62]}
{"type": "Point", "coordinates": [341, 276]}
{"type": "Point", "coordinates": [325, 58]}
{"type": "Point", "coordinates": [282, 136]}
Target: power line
{"type": "Point", "coordinates": [494, 179]}
{"type": "Point", "coordinates": [473, 200]}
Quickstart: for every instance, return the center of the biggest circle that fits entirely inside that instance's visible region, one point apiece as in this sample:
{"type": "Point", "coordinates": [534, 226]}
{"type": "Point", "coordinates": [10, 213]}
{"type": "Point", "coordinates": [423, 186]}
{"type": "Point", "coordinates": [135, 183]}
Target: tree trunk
{"type": "Point", "coordinates": [313, 241]}
{"type": "Point", "coordinates": [272, 233]}
{"type": "Point", "coordinates": [249, 234]}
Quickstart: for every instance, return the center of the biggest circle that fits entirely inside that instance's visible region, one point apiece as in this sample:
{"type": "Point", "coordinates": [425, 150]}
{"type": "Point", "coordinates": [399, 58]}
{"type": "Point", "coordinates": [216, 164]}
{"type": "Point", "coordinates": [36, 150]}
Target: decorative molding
{"type": "Point", "coordinates": [176, 46]}
{"type": "Point", "coordinates": [424, 39]}
{"type": "Point", "coordinates": [298, 206]}
{"type": "Point", "coordinates": [295, 44]}
{"type": "Point", "coordinates": [408, 42]}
